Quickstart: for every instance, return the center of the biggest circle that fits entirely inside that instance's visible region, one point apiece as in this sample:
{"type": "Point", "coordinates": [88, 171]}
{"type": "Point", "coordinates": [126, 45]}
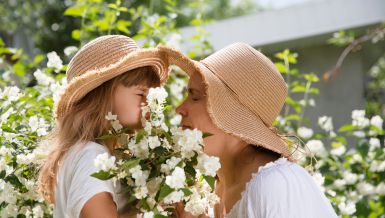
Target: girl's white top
{"type": "Point", "coordinates": [282, 189]}
{"type": "Point", "coordinates": [75, 185]}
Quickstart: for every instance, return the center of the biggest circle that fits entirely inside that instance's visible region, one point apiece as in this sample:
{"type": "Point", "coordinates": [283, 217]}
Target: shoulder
{"type": "Point", "coordinates": [87, 150]}
{"type": "Point", "coordinates": [279, 178]}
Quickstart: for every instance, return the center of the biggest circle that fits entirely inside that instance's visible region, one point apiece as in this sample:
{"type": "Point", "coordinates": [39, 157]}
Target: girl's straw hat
{"type": "Point", "coordinates": [101, 60]}
{"type": "Point", "coordinates": [245, 92]}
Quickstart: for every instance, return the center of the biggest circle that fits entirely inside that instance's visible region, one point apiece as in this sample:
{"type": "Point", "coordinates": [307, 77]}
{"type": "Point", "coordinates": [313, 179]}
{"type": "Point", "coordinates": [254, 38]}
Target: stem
{"type": "Point", "coordinates": [349, 48]}
{"type": "Point", "coordinates": [287, 65]}
{"type": "Point", "coordinates": [306, 96]}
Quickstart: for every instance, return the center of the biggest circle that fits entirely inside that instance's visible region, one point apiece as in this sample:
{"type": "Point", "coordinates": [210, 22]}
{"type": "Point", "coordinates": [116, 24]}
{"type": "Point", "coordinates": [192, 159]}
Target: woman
{"type": "Point", "coordinates": [235, 94]}
{"type": "Point", "coordinates": [109, 74]}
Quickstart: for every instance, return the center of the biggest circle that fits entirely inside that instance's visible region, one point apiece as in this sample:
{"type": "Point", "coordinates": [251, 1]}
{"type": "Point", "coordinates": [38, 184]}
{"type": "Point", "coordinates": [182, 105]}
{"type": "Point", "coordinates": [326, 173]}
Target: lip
{"type": "Point", "coordinates": [186, 127]}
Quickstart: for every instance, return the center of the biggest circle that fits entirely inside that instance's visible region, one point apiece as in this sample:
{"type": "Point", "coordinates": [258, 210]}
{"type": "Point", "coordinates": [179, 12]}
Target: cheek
{"type": "Point", "coordinates": [128, 110]}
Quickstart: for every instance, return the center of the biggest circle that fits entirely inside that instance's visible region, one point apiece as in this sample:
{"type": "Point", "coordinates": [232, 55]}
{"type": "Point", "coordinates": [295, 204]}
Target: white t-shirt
{"type": "Point", "coordinates": [75, 185]}
{"type": "Point", "coordinates": [282, 189]}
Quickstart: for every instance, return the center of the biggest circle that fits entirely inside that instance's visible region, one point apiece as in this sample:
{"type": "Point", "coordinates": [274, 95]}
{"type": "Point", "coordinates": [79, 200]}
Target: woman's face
{"type": "Point", "coordinates": [127, 104]}
{"type": "Point", "coordinates": [194, 115]}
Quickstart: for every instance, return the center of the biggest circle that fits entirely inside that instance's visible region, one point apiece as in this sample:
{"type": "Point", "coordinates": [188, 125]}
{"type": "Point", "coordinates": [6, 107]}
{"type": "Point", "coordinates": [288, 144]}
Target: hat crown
{"type": "Point", "coordinates": [100, 53]}
{"type": "Point", "coordinates": [251, 77]}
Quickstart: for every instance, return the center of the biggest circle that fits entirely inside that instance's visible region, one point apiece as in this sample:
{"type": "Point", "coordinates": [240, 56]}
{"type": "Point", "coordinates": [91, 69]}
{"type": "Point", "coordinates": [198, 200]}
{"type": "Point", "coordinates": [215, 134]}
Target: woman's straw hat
{"type": "Point", "coordinates": [245, 92]}
{"type": "Point", "coordinates": [101, 60]}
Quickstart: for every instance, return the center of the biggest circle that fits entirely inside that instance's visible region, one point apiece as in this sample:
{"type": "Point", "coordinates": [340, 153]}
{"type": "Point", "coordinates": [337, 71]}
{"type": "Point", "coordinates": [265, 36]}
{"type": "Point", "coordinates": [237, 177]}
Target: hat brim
{"type": "Point", "coordinates": [78, 87]}
{"type": "Point", "coordinates": [226, 112]}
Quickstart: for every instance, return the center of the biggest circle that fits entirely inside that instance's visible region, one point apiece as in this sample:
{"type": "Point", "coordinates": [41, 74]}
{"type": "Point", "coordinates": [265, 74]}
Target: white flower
{"type": "Point", "coordinates": [305, 132]}
{"type": "Point", "coordinates": [148, 214]}
{"type": "Point", "coordinates": [176, 120]}
{"type": "Point", "coordinates": [12, 93]}
{"type": "Point", "coordinates": [158, 94]}
{"type": "Point", "coordinates": [359, 119]}
{"type": "Point", "coordinates": [116, 125]}
{"type": "Point", "coordinates": [111, 117]}
{"type": "Point", "coordinates": [177, 179]}
{"type": "Point", "coordinates": [350, 178]}
{"type": "Point", "coordinates": [340, 150]}
{"type": "Point", "coordinates": [316, 147]}
{"type": "Point", "coordinates": [70, 50]}
{"type": "Point", "coordinates": [326, 123]}
{"type": "Point", "coordinates": [376, 121]}
{"type": "Point", "coordinates": [43, 79]}
{"type": "Point", "coordinates": [141, 192]}
{"type": "Point", "coordinates": [348, 209]}
{"type": "Point", "coordinates": [339, 183]}
{"type": "Point", "coordinates": [169, 165]}
{"type": "Point", "coordinates": [54, 61]}
{"type": "Point", "coordinates": [208, 165]}
{"type": "Point", "coordinates": [153, 142]}
{"type": "Point", "coordinates": [196, 205]}
{"type": "Point", "coordinates": [174, 197]}
{"type": "Point", "coordinates": [359, 134]}
{"type": "Point", "coordinates": [38, 211]}
{"type": "Point", "coordinates": [377, 166]}
{"type": "Point", "coordinates": [374, 143]}
{"type": "Point", "coordinates": [365, 188]}
{"type": "Point", "coordinates": [380, 189]}
{"type": "Point", "coordinates": [190, 142]}
{"type": "Point", "coordinates": [105, 162]}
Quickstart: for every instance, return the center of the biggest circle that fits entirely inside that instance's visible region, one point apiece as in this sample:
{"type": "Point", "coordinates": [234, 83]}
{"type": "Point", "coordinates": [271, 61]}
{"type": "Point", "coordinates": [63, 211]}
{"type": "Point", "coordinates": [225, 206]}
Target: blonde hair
{"type": "Point", "coordinates": [85, 122]}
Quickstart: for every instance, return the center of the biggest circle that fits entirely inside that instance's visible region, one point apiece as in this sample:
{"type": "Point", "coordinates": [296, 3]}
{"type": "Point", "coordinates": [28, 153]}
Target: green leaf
{"type": "Point", "coordinates": [122, 26]}
{"type": "Point", "coordinates": [346, 128]}
{"type": "Point", "coordinates": [75, 34]}
{"type": "Point", "coordinates": [131, 163]}
{"type": "Point", "coordinates": [164, 191]}
{"type": "Point", "coordinates": [140, 135]}
{"type": "Point", "coordinates": [311, 77]}
{"type": "Point", "coordinates": [281, 67]}
{"type": "Point", "coordinates": [293, 117]}
{"type": "Point", "coordinates": [19, 69]}
{"type": "Point", "coordinates": [2, 174]}
{"type": "Point", "coordinates": [160, 216]}
{"type": "Point", "coordinates": [144, 204]}
{"type": "Point", "coordinates": [299, 89]}
{"type": "Point", "coordinates": [210, 180]}
{"type": "Point", "coordinates": [186, 191]}
{"type": "Point", "coordinates": [103, 137]}
{"type": "Point", "coordinates": [76, 11]}
{"type": "Point", "coordinates": [206, 134]}
{"type": "Point", "coordinates": [102, 175]}
{"type": "Point", "coordinates": [38, 59]}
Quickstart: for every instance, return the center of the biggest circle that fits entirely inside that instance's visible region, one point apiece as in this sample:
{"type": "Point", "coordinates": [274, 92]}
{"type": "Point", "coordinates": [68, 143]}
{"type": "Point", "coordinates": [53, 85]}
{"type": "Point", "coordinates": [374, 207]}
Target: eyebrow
{"type": "Point", "coordinates": [193, 91]}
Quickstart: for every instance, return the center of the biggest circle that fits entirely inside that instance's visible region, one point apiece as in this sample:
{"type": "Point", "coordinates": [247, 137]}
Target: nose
{"type": "Point", "coordinates": [181, 109]}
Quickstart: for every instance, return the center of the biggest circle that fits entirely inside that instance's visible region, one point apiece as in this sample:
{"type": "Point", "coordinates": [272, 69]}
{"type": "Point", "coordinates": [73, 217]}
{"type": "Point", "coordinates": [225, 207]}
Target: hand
{"type": "Point", "coordinates": [181, 213]}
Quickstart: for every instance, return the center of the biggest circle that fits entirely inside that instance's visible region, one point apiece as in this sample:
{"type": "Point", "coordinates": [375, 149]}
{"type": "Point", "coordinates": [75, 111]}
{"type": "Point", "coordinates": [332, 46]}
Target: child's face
{"type": "Point", "coordinates": [127, 104]}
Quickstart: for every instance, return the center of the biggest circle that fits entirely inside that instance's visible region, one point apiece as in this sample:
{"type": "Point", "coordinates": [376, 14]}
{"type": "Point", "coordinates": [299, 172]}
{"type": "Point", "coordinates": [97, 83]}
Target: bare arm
{"type": "Point", "coordinates": [100, 205]}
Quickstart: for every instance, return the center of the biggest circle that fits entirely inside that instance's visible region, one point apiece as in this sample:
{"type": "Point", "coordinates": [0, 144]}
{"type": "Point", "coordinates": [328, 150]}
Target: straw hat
{"type": "Point", "coordinates": [101, 60]}
{"type": "Point", "coordinates": [245, 92]}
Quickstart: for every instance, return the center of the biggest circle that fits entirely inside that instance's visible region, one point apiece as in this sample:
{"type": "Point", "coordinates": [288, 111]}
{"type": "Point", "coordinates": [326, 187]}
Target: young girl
{"type": "Point", "coordinates": [236, 94]}
{"type": "Point", "coordinates": [109, 74]}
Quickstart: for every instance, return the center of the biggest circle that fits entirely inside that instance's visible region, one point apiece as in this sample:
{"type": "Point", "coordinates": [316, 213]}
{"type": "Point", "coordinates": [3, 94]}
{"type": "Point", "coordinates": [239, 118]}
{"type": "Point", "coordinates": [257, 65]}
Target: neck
{"type": "Point", "coordinates": [238, 163]}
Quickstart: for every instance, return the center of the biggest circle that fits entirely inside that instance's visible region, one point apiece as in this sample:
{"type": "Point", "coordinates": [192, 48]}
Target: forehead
{"type": "Point", "coordinates": [196, 82]}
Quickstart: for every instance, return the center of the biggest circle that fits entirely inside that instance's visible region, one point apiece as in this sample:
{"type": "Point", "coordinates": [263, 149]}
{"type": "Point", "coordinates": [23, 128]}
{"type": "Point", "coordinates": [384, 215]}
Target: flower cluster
{"type": "Point", "coordinates": [161, 165]}
{"type": "Point", "coordinates": [352, 178]}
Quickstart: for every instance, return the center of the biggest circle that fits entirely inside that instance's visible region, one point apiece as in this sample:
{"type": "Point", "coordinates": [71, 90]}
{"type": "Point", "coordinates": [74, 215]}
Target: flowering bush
{"type": "Point", "coordinates": [160, 166]}
{"type": "Point", "coordinates": [25, 116]}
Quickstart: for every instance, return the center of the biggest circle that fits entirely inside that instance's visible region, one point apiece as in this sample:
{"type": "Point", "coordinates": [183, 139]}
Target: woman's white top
{"type": "Point", "coordinates": [75, 185]}
{"type": "Point", "coordinates": [282, 189]}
